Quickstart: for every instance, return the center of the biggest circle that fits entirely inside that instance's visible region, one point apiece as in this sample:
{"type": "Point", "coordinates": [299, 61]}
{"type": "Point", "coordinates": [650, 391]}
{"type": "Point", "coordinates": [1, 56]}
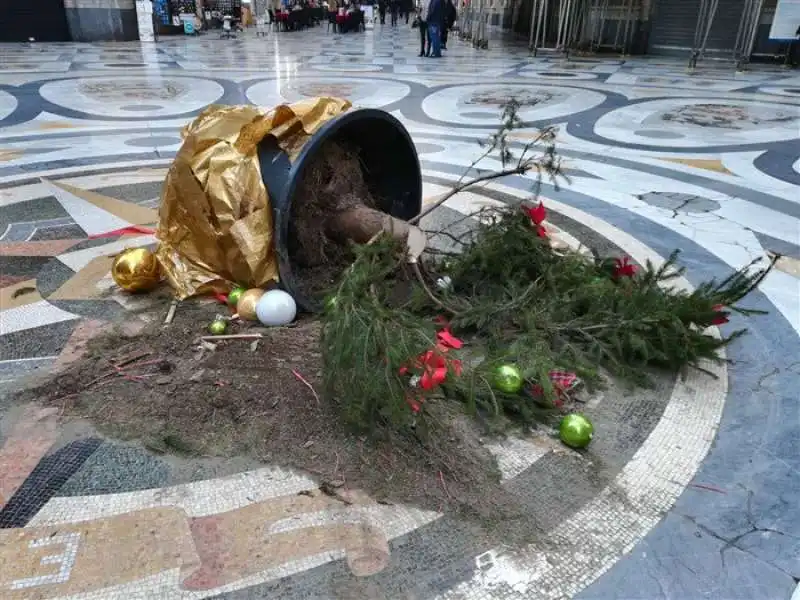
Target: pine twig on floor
{"type": "Point", "coordinates": [232, 336]}
{"type": "Point", "coordinates": [444, 485]}
{"type": "Point", "coordinates": [305, 382]}
{"type": "Point", "coordinates": [132, 359]}
{"type": "Point", "coordinates": [171, 312]}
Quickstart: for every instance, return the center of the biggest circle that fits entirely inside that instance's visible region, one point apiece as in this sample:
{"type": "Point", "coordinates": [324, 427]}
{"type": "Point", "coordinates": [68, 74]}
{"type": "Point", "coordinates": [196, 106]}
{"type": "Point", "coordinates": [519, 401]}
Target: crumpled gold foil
{"type": "Point", "coordinates": [215, 222]}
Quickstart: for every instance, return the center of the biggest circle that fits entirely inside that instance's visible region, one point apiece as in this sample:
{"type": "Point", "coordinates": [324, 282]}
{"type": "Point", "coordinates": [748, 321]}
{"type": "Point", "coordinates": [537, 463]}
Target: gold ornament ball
{"type": "Point", "coordinates": [246, 307]}
{"type": "Point", "coordinates": [136, 270]}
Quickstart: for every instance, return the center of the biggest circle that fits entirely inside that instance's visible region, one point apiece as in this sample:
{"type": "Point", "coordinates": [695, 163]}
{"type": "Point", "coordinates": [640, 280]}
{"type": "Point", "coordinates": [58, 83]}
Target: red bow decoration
{"type": "Point", "coordinates": [720, 316]}
{"type": "Point", "coordinates": [537, 215]}
{"type": "Point", "coordinates": [434, 366]}
{"type": "Point", "coordinates": [623, 267]}
{"type": "Point", "coordinates": [448, 340]}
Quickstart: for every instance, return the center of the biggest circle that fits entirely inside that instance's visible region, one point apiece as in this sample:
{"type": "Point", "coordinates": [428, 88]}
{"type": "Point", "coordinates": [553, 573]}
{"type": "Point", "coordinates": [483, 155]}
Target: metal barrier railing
{"type": "Point", "coordinates": [705, 19]}
{"type": "Point", "coordinates": [564, 25]}
{"type": "Point", "coordinates": [569, 25]}
{"type": "Point", "coordinates": [746, 34]}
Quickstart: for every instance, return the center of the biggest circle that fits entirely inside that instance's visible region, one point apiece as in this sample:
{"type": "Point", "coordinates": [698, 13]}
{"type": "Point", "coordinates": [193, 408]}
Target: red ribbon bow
{"type": "Point", "coordinates": [434, 365]}
{"type": "Point", "coordinates": [448, 340]}
{"type": "Point", "coordinates": [537, 215]}
{"type": "Point", "coordinates": [720, 316]}
{"type": "Point", "coordinates": [623, 267]}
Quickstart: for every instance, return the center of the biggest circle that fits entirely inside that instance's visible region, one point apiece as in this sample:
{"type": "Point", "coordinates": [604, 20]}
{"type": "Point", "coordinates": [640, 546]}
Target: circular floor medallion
{"type": "Point", "coordinates": [455, 103]}
{"type": "Point", "coordinates": [700, 122]}
{"type": "Point", "coordinates": [105, 96]}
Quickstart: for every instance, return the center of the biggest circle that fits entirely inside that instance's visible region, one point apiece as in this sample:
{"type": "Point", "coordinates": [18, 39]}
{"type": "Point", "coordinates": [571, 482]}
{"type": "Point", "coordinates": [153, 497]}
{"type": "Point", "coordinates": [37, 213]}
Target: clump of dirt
{"type": "Point", "coordinates": [176, 394]}
{"type": "Point", "coordinates": [333, 183]}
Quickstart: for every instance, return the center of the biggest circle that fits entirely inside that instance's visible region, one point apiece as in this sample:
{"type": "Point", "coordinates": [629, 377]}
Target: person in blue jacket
{"type": "Point", "coordinates": [435, 23]}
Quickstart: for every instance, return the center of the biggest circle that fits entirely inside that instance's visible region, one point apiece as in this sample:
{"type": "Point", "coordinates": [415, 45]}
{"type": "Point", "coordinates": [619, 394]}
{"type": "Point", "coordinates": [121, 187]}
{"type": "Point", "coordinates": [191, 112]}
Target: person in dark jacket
{"type": "Point", "coordinates": [382, 11]}
{"type": "Point", "coordinates": [450, 16]}
{"type": "Point", "coordinates": [394, 6]}
{"type": "Point", "coordinates": [435, 22]}
{"type": "Point", "coordinates": [422, 23]}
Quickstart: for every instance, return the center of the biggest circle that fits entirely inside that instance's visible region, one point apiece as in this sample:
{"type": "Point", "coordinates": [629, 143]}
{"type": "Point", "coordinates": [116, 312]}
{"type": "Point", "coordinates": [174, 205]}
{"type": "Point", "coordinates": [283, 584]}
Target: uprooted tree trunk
{"type": "Point", "coordinates": [360, 224]}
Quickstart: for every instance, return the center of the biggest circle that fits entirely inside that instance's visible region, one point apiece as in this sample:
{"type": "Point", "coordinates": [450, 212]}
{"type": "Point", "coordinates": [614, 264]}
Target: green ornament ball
{"type": "Point", "coordinates": [234, 295]}
{"type": "Point", "coordinates": [331, 303]}
{"type": "Point", "coordinates": [218, 327]}
{"type": "Point", "coordinates": [576, 430]}
{"type": "Point", "coordinates": [508, 379]}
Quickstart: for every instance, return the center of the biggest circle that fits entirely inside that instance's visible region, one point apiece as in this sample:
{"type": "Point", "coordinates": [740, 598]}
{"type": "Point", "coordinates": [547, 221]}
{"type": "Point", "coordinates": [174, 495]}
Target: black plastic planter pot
{"type": "Point", "coordinates": [391, 170]}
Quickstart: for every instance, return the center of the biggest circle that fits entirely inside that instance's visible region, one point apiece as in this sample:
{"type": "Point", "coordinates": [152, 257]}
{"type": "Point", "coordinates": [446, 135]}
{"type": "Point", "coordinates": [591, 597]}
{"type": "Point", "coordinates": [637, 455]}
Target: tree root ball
{"type": "Point", "coordinates": [332, 209]}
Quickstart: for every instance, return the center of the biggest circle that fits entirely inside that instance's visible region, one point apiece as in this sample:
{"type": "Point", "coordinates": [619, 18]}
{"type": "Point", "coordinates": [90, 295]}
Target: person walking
{"type": "Point", "coordinates": [450, 16]}
{"type": "Point", "coordinates": [422, 21]}
{"type": "Point", "coordinates": [435, 22]}
{"type": "Point", "coordinates": [333, 10]}
{"type": "Point", "coordinates": [394, 6]}
{"type": "Point", "coordinates": [382, 11]}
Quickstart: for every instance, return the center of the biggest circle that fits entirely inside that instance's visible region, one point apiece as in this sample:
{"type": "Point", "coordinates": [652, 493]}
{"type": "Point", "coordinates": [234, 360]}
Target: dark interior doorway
{"type": "Point", "coordinates": [42, 20]}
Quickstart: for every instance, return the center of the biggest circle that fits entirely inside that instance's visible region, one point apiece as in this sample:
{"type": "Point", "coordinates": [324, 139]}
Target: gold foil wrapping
{"type": "Point", "coordinates": [215, 222]}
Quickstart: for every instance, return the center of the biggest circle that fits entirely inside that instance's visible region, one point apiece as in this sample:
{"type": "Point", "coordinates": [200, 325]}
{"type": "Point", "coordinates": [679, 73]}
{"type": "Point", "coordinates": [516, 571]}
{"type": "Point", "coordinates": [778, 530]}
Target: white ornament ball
{"type": "Point", "coordinates": [276, 308]}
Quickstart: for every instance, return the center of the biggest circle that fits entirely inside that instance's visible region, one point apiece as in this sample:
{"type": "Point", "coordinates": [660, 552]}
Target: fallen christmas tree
{"type": "Point", "coordinates": [510, 300]}
{"type": "Point", "coordinates": [400, 335]}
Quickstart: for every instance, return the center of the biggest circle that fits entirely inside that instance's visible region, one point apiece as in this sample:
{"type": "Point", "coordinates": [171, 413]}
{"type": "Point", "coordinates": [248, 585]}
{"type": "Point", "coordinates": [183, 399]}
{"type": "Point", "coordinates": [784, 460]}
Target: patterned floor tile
{"type": "Point", "coordinates": [656, 160]}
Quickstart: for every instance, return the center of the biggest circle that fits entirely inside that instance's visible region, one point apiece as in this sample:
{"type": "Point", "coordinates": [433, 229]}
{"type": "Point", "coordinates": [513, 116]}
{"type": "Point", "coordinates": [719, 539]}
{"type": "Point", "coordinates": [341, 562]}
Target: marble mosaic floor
{"type": "Point", "coordinates": [704, 498]}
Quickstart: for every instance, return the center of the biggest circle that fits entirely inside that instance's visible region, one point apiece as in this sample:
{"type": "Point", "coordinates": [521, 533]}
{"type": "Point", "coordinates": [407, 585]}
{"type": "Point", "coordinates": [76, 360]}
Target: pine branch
{"type": "Point", "coordinates": [463, 186]}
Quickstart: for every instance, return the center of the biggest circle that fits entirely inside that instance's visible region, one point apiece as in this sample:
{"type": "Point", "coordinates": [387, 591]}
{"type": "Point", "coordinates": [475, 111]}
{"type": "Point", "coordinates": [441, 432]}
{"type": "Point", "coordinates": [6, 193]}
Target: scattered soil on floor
{"type": "Point", "coordinates": [166, 389]}
{"type": "Point", "coordinates": [333, 183]}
